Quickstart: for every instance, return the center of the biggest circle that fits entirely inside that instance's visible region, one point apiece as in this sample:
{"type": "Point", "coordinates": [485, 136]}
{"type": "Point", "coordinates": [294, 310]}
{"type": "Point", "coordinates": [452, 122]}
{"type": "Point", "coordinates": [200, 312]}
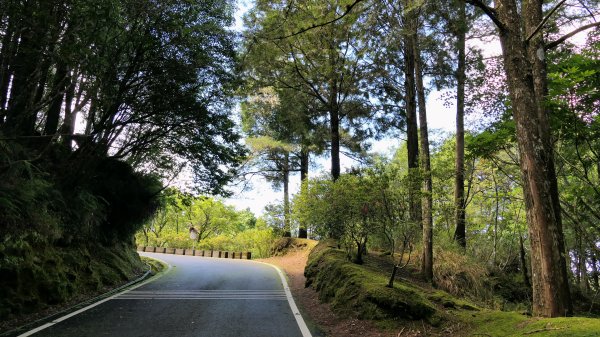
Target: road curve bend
{"type": "Point", "coordinates": [197, 297]}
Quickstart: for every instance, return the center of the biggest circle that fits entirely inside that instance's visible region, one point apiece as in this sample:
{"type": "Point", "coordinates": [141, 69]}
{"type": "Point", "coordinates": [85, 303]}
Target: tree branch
{"type": "Point", "coordinates": [562, 39]}
{"type": "Point", "coordinates": [489, 11]}
{"type": "Point", "coordinates": [543, 22]}
{"type": "Point", "coordinates": [317, 25]}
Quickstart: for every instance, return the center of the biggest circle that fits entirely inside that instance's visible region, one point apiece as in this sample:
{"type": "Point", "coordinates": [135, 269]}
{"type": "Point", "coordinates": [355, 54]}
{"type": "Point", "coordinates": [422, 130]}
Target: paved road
{"type": "Point", "coordinates": [197, 297]}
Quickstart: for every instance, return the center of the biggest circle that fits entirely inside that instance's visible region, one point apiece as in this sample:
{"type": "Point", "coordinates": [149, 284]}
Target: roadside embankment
{"type": "Point", "coordinates": [362, 304]}
{"type": "Point", "coordinates": [39, 278]}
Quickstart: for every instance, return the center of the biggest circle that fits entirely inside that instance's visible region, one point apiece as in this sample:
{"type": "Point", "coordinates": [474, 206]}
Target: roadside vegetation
{"type": "Point", "coordinates": [414, 307]}
{"type": "Point", "coordinates": [200, 222]}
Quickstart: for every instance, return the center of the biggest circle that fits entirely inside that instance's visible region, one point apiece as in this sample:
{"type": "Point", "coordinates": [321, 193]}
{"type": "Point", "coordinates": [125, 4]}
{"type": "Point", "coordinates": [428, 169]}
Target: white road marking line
{"type": "Point", "coordinates": [299, 320]}
{"type": "Point", "coordinates": [204, 295]}
{"type": "Point", "coordinates": [206, 298]}
{"type": "Point", "coordinates": [58, 320]}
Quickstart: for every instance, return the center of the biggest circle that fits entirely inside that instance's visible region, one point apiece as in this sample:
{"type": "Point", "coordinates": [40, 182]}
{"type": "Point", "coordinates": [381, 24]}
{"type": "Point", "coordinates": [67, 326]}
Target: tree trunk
{"type": "Point", "coordinates": [286, 197]}
{"type": "Point", "coordinates": [427, 203]}
{"type": "Point", "coordinates": [334, 118]}
{"type": "Point", "coordinates": [21, 114]}
{"type": "Point", "coordinates": [460, 235]}
{"type": "Point", "coordinates": [57, 94]}
{"type": "Point", "coordinates": [551, 297]}
{"type": "Point", "coordinates": [412, 138]}
{"type": "Point", "coordinates": [496, 215]}
{"type": "Point", "coordinates": [583, 279]}
{"type": "Point", "coordinates": [304, 161]}
{"type": "Point", "coordinates": [523, 262]}
{"type": "Point", "coordinates": [68, 127]}
{"type": "Point", "coordinates": [9, 45]}
{"type": "Point", "coordinates": [595, 276]}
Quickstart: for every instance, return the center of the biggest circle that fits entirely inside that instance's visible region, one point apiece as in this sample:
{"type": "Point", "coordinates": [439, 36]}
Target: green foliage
{"type": "Point", "coordinates": [129, 198]}
{"type": "Point", "coordinates": [371, 204]}
{"type": "Point", "coordinates": [218, 226]}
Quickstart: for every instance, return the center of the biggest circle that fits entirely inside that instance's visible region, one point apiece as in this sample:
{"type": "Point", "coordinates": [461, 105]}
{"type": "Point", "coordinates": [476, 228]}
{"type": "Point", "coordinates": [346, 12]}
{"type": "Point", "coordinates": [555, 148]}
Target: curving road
{"type": "Point", "coordinates": [196, 297]}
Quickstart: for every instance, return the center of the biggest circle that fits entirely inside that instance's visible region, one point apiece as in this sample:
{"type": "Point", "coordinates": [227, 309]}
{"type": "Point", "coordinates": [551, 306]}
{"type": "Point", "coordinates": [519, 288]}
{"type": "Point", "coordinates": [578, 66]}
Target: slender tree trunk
{"type": "Point", "coordinates": [551, 297]}
{"type": "Point", "coordinates": [9, 43]}
{"type": "Point", "coordinates": [523, 262]}
{"type": "Point", "coordinates": [595, 276]}
{"type": "Point", "coordinates": [57, 95]}
{"type": "Point", "coordinates": [412, 141]}
{"type": "Point", "coordinates": [334, 118]}
{"type": "Point", "coordinates": [582, 279]}
{"type": "Point", "coordinates": [427, 200]}
{"type": "Point", "coordinates": [286, 197]}
{"type": "Point", "coordinates": [304, 161]}
{"type": "Point", "coordinates": [496, 215]}
{"type": "Point", "coordinates": [578, 270]}
{"type": "Point", "coordinates": [460, 235]}
{"type": "Point", "coordinates": [68, 127]}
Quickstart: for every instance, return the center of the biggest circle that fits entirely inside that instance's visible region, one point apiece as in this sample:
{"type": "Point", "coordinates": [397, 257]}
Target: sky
{"type": "Point", "coordinates": [260, 193]}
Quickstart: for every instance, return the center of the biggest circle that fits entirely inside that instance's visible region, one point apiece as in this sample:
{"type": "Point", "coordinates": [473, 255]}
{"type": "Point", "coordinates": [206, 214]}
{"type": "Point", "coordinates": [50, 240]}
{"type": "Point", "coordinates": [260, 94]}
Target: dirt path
{"type": "Point", "coordinates": [320, 313]}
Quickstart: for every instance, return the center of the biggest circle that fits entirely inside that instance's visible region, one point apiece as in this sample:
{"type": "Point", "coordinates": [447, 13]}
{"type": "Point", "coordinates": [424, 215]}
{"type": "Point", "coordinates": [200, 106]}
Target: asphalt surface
{"type": "Point", "coordinates": [196, 297]}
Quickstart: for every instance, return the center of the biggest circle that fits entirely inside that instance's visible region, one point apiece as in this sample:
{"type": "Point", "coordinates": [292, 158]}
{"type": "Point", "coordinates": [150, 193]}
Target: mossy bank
{"type": "Point", "coordinates": [356, 291]}
{"type": "Point", "coordinates": [36, 274]}
{"type": "Point", "coordinates": [360, 291]}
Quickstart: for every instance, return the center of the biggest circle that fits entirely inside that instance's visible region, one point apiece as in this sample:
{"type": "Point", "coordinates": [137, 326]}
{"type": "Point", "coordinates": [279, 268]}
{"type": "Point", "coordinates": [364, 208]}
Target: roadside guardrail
{"type": "Point", "coordinates": [197, 252]}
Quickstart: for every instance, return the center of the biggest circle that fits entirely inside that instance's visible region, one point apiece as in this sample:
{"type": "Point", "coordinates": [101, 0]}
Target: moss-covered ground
{"type": "Point", "coordinates": [505, 324]}
{"type": "Point", "coordinates": [36, 275]}
{"type": "Point", "coordinates": [360, 291]}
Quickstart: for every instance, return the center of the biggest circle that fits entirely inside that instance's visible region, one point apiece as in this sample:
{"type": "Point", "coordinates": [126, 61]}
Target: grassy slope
{"type": "Point", "coordinates": [360, 291]}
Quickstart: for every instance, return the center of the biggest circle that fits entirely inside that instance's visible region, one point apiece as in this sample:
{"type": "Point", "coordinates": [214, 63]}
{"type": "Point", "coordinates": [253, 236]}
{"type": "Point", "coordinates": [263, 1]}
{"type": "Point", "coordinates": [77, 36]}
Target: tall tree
{"type": "Point", "coordinates": [427, 190]}
{"type": "Point", "coordinates": [268, 120]}
{"type": "Point", "coordinates": [523, 48]}
{"type": "Point", "coordinates": [460, 235]}
{"type": "Point", "coordinates": [325, 63]}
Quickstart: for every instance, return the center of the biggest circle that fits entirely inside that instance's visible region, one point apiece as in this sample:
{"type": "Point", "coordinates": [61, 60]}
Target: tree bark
{"type": "Point", "coordinates": [334, 118]}
{"type": "Point", "coordinates": [551, 297]}
{"type": "Point", "coordinates": [286, 196]}
{"type": "Point", "coordinates": [427, 199]}
{"type": "Point", "coordinates": [412, 138]}
{"type": "Point", "coordinates": [57, 95]}
{"type": "Point", "coordinates": [304, 161]}
{"type": "Point", "coordinates": [9, 45]}
{"type": "Point", "coordinates": [460, 234]}
{"type": "Point", "coordinates": [523, 262]}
